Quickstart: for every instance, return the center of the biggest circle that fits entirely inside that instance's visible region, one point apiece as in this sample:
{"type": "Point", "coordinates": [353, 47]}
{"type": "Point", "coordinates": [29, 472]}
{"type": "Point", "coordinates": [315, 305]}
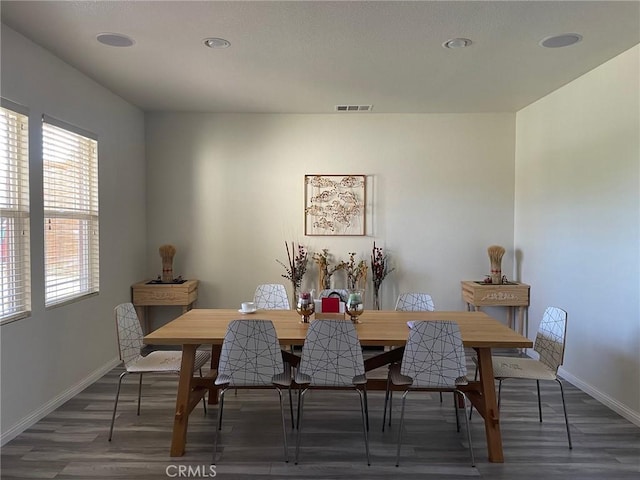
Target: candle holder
{"type": "Point", "coordinates": [305, 306]}
{"type": "Point", "coordinates": [355, 304]}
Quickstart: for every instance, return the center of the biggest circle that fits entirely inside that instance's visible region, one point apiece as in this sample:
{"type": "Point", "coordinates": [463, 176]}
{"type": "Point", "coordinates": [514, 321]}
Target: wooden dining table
{"type": "Point", "coordinates": [376, 328]}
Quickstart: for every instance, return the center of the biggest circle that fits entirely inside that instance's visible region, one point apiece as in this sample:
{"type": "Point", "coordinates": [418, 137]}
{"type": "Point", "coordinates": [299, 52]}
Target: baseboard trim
{"type": "Point", "coordinates": [613, 404]}
{"type": "Point", "coordinates": [55, 402]}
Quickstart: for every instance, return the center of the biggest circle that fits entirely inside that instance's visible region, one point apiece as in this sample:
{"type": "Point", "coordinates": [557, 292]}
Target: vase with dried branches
{"type": "Point", "coordinates": [167, 253]}
{"type": "Point", "coordinates": [495, 256]}
{"type": "Point", "coordinates": [325, 269]}
{"type": "Point", "coordinates": [379, 270]}
{"type": "Point", "coordinates": [356, 272]}
{"type": "Point", "coordinates": [297, 265]}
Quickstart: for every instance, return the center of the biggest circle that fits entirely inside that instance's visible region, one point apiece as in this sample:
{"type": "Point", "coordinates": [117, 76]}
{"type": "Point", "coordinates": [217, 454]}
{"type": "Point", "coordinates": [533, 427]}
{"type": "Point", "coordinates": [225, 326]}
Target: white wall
{"type": "Point", "coordinates": [50, 354]}
{"type": "Point", "coordinates": [577, 220]}
{"type": "Point", "coordinates": [227, 190]}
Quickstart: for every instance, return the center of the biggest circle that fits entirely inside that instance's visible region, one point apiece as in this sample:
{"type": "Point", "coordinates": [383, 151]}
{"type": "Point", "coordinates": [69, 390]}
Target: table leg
{"type": "Point", "coordinates": [488, 399]}
{"type": "Point", "coordinates": [181, 420]}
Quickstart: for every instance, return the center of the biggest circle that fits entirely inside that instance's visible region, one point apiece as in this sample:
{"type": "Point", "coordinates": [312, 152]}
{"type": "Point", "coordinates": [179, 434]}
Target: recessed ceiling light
{"type": "Point", "coordinates": [115, 39]}
{"type": "Point", "coordinates": [217, 43]}
{"type": "Point", "coordinates": [457, 43]}
{"type": "Point", "coordinates": [559, 41]}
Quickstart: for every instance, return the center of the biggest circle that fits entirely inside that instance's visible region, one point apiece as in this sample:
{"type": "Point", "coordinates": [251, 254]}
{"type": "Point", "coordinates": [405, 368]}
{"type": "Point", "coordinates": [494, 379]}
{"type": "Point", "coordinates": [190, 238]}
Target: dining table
{"type": "Point", "coordinates": [378, 328]}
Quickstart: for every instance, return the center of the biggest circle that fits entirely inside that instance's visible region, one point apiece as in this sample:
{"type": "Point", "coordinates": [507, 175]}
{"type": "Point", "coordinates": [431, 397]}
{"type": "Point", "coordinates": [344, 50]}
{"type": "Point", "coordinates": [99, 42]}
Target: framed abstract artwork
{"type": "Point", "coordinates": [334, 204]}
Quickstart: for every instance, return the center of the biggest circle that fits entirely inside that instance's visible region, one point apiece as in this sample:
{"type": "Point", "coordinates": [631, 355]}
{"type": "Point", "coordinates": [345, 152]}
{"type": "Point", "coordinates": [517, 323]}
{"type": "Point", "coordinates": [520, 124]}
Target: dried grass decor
{"type": "Point", "coordinates": [495, 257]}
{"type": "Point", "coordinates": [167, 252]}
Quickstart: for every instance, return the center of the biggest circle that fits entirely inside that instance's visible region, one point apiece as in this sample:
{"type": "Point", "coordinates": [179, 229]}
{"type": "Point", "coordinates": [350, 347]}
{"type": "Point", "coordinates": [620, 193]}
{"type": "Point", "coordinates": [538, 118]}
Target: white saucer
{"type": "Point", "coordinates": [248, 311]}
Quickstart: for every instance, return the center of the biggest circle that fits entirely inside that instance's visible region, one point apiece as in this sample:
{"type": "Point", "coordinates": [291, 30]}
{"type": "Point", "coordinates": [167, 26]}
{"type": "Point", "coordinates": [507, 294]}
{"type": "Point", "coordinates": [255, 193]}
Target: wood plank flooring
{"type": "Point", "coordinates": [71, 442]}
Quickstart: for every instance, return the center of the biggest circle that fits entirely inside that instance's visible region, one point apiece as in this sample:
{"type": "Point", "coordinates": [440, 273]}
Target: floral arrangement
{"type": "Point", "coordinates": [379, 270]}
{"type": "Point", "coordinates": [325, 269]}
{"type": "Point", "coordinates": [356, 273]}
{"type": "Point", "coordinates": [297, 265]}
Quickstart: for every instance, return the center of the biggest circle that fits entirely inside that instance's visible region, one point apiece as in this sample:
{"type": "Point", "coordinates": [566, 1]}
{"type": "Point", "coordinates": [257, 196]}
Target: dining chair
{"type": "Point", "coordinates": [332, 359]}
{"type": "Point", "coordinates": [433, 360]}
{"type": "Point", "coordinates": [415, 302]}
{"type": "Point", "coordinates": [130, 344]}
{"type": "Point", "coordinates": [549, 345]}
{"type": "Point", "coordinates": [251, 358]}
{"type": "Point", "coordinates": [271, 296]}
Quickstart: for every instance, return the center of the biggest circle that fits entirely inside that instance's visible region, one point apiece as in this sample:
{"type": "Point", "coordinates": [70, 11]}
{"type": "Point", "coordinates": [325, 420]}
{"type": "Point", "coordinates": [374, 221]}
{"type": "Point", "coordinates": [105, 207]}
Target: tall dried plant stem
{"type": "Point", "coordinates": [167, 252]}
{"type": "Point", "coordinates": [495, 257]}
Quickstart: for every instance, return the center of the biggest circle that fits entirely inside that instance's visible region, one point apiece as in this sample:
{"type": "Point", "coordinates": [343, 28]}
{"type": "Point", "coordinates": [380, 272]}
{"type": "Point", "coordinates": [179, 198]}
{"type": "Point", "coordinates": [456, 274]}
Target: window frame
{"type": "Point", "coordinates": [18, 215]}
{"type": "Point", "coordinates": [65, 203]}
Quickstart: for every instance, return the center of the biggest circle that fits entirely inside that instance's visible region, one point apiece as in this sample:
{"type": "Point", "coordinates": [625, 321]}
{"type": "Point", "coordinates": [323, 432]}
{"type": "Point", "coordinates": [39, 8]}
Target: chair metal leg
{"type": "Point", "coordinates": [299, 420]}
{"type": "Point", "coordinates": [115, 405]}
{"type": "Point", "coordinates": [139, 392]}
{"type": "Point", "coordinates": [204, 400]}
{"type": "Point", "coordinates": [499, 392]}
{"type": "Point", "coordinates": [365, 421]}
{"type": "Point", "coordinates": [404, 398]}
{"type": "Point", "coordinates": [390, 405]}
{"type": "Point", "coordinates": [455, 407]}
{"type": "Point", "coordinates": [386, 401]}
{"type": "Point", "coordinates": [440, 397]}
{"type": "Point", "coordinates": [366, 406]}
{"type": "Point", "coordinates": [566, 418]}
{"type": "Point", "coordinates": [221, 407]}
{"type": "Point", "coordinates": [284, 426]}
{"type": "Point", "coordinates": [293, 422]}
{"type": "Point", "coordinates": [539, 402]}
{"type": "Point", "coordinates": [215, 441]}
{"type": "Point", "coordinates": [464, 400]}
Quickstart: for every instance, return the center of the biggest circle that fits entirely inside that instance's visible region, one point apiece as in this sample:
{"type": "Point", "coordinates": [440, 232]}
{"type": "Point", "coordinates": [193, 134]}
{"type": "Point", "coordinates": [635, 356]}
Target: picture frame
{"type": "Point", "coordinates": [335, 205]}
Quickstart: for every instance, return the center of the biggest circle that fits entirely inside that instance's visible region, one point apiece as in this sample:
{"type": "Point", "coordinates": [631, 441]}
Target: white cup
{"type": "Point", "coordinates": [248, 306]}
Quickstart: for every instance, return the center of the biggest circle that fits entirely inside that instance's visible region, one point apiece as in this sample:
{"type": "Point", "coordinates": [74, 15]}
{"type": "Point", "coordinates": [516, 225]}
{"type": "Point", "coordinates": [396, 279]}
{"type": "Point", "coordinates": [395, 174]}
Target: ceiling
{"type": "Point", "coordinates": [309, 56]}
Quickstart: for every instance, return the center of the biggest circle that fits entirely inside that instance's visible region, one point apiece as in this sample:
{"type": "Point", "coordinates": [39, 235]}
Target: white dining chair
{"type": "Point", "coordinates": [332, 359]}
{"type": "Point", "coordinates": [549, 345]}
{"type": "Point", "coordinates": [130, 344]}
{"type": "Point", "coordinates": [271, 296]}
{"type": "Point", "coordinates": [251, 358]}
{"type": "Point", "coordinates": [433, 360]}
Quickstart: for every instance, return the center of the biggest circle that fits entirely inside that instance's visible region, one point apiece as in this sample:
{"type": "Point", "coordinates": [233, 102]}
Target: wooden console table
{"type": "Point", "coordinates": [145, 294]}
{"type": "Point", "coordinates": [511, 294]}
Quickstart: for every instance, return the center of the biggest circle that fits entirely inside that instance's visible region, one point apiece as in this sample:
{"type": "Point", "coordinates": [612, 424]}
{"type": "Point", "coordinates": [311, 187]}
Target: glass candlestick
{"type": "Point", "coordinates": [355, 304]}
{"type": "Point", "coordinates": [305, 306]}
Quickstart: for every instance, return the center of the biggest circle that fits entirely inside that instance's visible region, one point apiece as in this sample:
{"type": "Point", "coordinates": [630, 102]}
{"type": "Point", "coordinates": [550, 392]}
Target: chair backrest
{"type": "Point", "coordinates": [415, 302]}
{"type": "Point", "coordinates": [250, 354]}
{"type": "Point", "coordinates": [342, 293]}
{"type": "Point", "coordinates": [331, 354]}
{"type": "Point", "coordinates": [129, 333]}
{"type": "Point", "coordinates": [550, 339]}
{"type": "Point", "coordinates": [271, 296]}
{"type": "Point", "coordinates": [434, 355]}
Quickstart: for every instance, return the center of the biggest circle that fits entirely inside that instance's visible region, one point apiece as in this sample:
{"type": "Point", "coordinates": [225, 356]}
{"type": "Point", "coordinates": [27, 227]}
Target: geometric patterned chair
{"type": "Point", "coordinates": [251, 357]}
{"type": "Point", "coordinates": [129, 345]}
{"type": "Point", "coordinates": [415, 302]}
{"type": "Point", "coordinates": [549, 344]}
{"type": "Point", "coordinates": [271, 296]}
{"type": "Point", "coordinates": [331, 359]}
{"type": "Point", "coordinates": [433, 360]}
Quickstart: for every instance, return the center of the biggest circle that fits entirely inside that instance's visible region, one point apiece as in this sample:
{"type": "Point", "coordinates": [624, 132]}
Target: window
{"type": "Point", "coordinates": [70, 166]}
{"type": "Point", "coordinates": [14, 212]}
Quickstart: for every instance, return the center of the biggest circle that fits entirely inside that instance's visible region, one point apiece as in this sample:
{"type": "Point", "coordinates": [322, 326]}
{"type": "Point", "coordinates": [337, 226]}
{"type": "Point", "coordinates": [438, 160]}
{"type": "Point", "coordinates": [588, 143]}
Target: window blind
{"type": "Point", "coordinates": [15, 286]}
{"type": "Point", "coordinates": [71, 214]}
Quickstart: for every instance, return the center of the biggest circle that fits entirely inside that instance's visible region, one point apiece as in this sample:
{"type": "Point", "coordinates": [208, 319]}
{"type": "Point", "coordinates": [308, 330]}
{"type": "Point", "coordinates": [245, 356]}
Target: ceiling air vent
{"type": "Point", "coordinates": [354, 108]}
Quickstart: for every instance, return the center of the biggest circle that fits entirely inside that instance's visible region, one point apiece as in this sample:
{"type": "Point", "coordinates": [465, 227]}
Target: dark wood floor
{"type": "Point", "coordinates": [71, 443]}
